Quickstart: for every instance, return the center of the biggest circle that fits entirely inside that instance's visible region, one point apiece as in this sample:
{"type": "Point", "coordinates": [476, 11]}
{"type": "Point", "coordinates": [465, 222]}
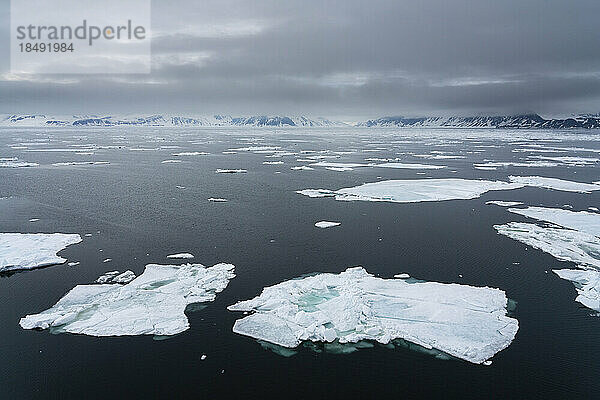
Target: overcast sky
{"type": "Point", "coordinates": [342, 58]}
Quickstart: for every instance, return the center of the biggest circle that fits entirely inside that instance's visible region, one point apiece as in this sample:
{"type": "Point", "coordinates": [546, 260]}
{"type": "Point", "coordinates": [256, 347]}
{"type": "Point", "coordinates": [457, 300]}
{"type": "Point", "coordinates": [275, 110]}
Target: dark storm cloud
{"type": "Point", "coordinates": [346, 58]}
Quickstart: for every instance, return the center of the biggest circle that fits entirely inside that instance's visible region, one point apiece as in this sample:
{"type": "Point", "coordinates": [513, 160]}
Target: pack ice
{"type": "Point", "coordinates": [20, 251]}
{"type": "Point", "coordinates": [414, 190]}
{"type": "Point", "coordinates": [464, 321]}
{"type": "Point", "coordinates": [151, 304]}
{"type": "Point", "coordinates": [576, 239]}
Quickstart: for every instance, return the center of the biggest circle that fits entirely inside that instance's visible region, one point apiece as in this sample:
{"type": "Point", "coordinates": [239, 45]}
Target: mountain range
{"type": "Point", "coordinates": [525, 121]}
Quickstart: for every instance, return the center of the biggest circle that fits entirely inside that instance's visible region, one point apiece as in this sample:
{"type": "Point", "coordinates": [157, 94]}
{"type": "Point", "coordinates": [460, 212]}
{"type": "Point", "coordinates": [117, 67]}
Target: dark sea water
{"type": "Point", "coordinates": [137, 215]}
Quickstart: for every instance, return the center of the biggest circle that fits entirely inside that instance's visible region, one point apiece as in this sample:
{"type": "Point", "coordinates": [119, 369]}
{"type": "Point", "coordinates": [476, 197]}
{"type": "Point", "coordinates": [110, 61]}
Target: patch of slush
{"type": "Point", "coordinates": [19, 251]}
{"type": "Point", "coordinates": [464, 321]}
{"type": "Point", "coordinates": [502, 203]}
{"type": "Point", "coordinates": [587, 283]}
{"type": "Point", "coordinates": [327, 224]}
{"type": "Point", "coordinates": [579, 220]}
{"type": "Point", "coordinates": [154, 303]}
{"type": "Point", "coordinates": [414, 190]}
{"type": "Point", "coordinates": [554, 183]}
{"type": "Point", "coordinates": [181, 255]}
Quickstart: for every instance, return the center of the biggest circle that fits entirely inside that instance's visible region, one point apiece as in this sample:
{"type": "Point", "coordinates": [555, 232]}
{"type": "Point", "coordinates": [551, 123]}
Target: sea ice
{"type": "Point", "coordinates": [579, 220]}
{"type": "Point", "coordinates": [32, 250]}
{"type": "Point", "coordinates": [409, 166]}
{"type": "Point", "coordinates": [116, 277]}
{"type": "Point", "coordinates": [217, 200]}
{"type": "Point", "coordinates": [154, 303]}
{"type": "Point", "coordinates": [326, 224]}
{"type": "Point", "coordinates": [554, 183]}
{"type": "Point", "coordinates": [414, 190]}
{"type": "Point", "coordinates": [587, 283]}
{"type": "Point", "coordinates": [464, 321]}
{"type": "Point", "coordinates": [502, 203]}
{"type": "Point", "coordinates": [170, 162]}
{"type": "Point", "coordinates": [302, 168]}
{"type": "Point", "coordinates": [231, 171]}
{"type": "Point", "coordinates": [15, 163]}
{"type": "Point", "coordinates": [181, 255]}
{"type": "Point", "coordinates": [75, 163]}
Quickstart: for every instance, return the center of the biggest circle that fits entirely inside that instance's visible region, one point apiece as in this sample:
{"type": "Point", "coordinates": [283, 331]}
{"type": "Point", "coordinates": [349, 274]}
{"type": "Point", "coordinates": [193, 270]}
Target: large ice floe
{"type": "Point", "coordinates": [414, 190]}
{"type": "Point", "coordinates": [576, 238]}
{"type": "Point", "coordinates": [19, 251]}
{"type": "Point", "coordinates": [555, 184]}
{"type": "Point", "coordinates": [467, 322]}
{"type": "Point", "coordinates": [151, 304]}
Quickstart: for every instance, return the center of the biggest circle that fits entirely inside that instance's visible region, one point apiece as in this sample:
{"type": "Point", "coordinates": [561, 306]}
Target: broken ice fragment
{"type": "Point", "coordinates": [579, 220]}
{"type": "Point", "coordinates": [154, 303]}
{"type": "Point", "coordinates": [502, 203]}
{"type": "Point", "coordinates": [231, 171]}
{"type": "Point", "coordinates": [587, 283]}
{"type": "Point", "coordinates": [181, 255]}
{"type": "Point", "coordinates": [116, 277]}
{"type": "Point", "coordinates": [464, 321]}
{"type": "Point", "coordinates": [555, 184]}
{"type": "Point", "coordinates": [32, 250]}
{"type": "Point", "coordinates": [327, 224]}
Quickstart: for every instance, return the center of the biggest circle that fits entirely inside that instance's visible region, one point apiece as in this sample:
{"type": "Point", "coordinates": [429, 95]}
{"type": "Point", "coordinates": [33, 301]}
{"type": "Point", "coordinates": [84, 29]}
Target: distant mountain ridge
{"type": "Point", "coordinates": [164, 120]}
{"type": "Point", "coordinates": [525, 121]}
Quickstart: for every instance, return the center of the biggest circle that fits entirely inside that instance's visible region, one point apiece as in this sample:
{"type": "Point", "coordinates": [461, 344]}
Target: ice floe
{"type": "Point", "coordinates": [579, 220]}
{"type": "Point", "coordinates": [587, 283]}
{"type": "Point", "coordinates": [20, 251]}
{"type": "Point", "coordinates": [414, 190]}
{"type": "Point", "coordinates": [217, 200]}
{"type": "Point", "coordinates": [555, 184]}
{"type": "Point", "coordinates": [15, 163]}
{"type": "Point", "coordinates": [467, 322]}
{"type": "Point", "coordinates": [302, 168]}
{"type": "Point", "coordinates": [154, 303]}
{"type": "Point", "coordinates": [181, 255]}
{"type": "Point", "coordinates": [326, 224]}
{"type": "Point", "coordinates": [409, 166]}
{"type": "Point", "coordinates": [116, 277]}
{"type": "Point", "coordinates": [502, 203]}
{"type": "Point", "coordinates": [191, 153]}
{"type": "Point", "coordinates": [75, 163]}
{"type": "Point", "coordinates": [170, 162]}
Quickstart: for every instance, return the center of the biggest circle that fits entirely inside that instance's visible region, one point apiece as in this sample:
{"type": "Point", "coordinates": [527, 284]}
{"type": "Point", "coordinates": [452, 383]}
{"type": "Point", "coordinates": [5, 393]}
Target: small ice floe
{"type": "Point", "coordinates": [217, 200]}
{"type": "Point", "coordinates": [579, 220]}
{"type": "Point", "coordinates": [467, 322]}
{"type": "Point", "coordinates": [107, 260]}
{"type": "Point", "coordinates": [190, 153]}
{"type": "Point", "coordinates": [439, 156]}
{"type": "Point", "coordinates": [339, 169]}
{"type": "Point", "coordinates": [409, 166]}
{"type": "Point", "coordinates": [555, 184]}
{"type": "Point", "coordinates": [402, 276]}
{"type": "Point", "coordinates": [572, 161]}
{"type": "Point", "coordinates": [76, 163]}
{"type": "Point", "coordinates": [587, 283]}
{"type": "Point", "coordinates": [116, 277]}
{"type": "Point", "coordinates": [181, 255]}
{"type": "Point", "coordinates": [528, 164]}
{"type": "Point", "coordinates": [502, 203]}
{"type": "Point", "coordinates": [302, 168]}
{"type": "Point", "coordinates": [414, 190]}
{"type": "Point", "coordinates": [73, 264]}
{"type": "Point", "coordinates": [272, 162]}
{"type": "Point", "coordinates": [180, 187]}
{"type": "Point", "coordinates": [20, 251]}
{"type": "Point", "coordinates": [257, 148]}
{"type": "Point", "coordinates": [34, 220]}
{"type": "Point", "coordinates": [326, 224]}
{"type": "Point", "coordinates": [14, 162]}
{"type": "Point", "coordinates": [335, 166]}
{"type": "Point", "coordinates": [593, 209]}
{"type": "Point", "coordinates": [170, 162]}
{"type": "Point", "coordinates": [154, 303]}
{"type": "Point", "coordinates": [231, 171]}
{"type": "Point", "coordinates": [203, 357]}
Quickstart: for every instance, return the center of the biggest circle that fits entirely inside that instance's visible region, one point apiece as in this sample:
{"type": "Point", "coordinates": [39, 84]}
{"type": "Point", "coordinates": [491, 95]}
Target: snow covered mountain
{"type": "Point", "coordinates": [526, 121]}
{"type": "Point", "coordinates": [162, 120]}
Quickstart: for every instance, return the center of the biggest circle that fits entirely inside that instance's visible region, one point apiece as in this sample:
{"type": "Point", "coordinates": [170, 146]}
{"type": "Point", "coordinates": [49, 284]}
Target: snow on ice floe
{"type": "Point", "coordinates": [20, 251]}
{"type": "Point", "coordinates": [151, 304]}
{"type": "Point", "coordinates": [464, 321]}
{"type": "Point", "coordinates": [587, 283]}
{"type": "Point", "coordinates": [326, 224]}
{"type": "Point", "coordinates": [554, 184]}
{"type": "Point", "coordinates": [414, 190]}
{"type": "Point", "coordinates": [502, 203]}
{"type": "Point", "coordinates": [181, 255]}
{"type": "Point", "coordinates": [231, 171]}
{"type": "Point", "coordinates": [578, 220]}
{"type": "Point", "coordinates": [14, 162]}
{"type": "Point", "coordinates": [116, 277]}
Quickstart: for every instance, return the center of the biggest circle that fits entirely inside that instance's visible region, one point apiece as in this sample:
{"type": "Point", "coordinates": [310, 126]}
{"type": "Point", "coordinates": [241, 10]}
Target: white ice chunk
{"type": "Point", "coordinates": [502, 203]}
{"type": "Point", "coordinates": [181, 255]}
{"type": "Point", "coordinates": [116, 277]}
{"type": "Point", "coordinates": [554, 183]}
{"type": "Point", "coordinates": [327, 224]}
{"type": "Point", "coordinates": [409, 166]}
{"type": "Point", "coordinates": [217, 200]}
{"type": "Point", "coordinates": [151, 304]}
{"type": "Point", "coordinates": [75, 163]}
{"type": "Point", "coordinates": [302, 168]}
{"type": "Point", "coordinates": [27, 251]}
{"type": "Point", "coordinates": [414, 190]}
{"type": "Point", "coordinates": [464, 321]}
{"type": "Point", "coordinates": [15, 163]}
{"type": "Point", "coordinates": [587, 283]}
{"type": "Point", "coordinates": [580, 220]}
{"type": "Point", "coordinates": [191, 153]}
{"type": "Point", "coordinates": [231, 171]}
{"type": "Point", "coordinates": [170, 162]}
